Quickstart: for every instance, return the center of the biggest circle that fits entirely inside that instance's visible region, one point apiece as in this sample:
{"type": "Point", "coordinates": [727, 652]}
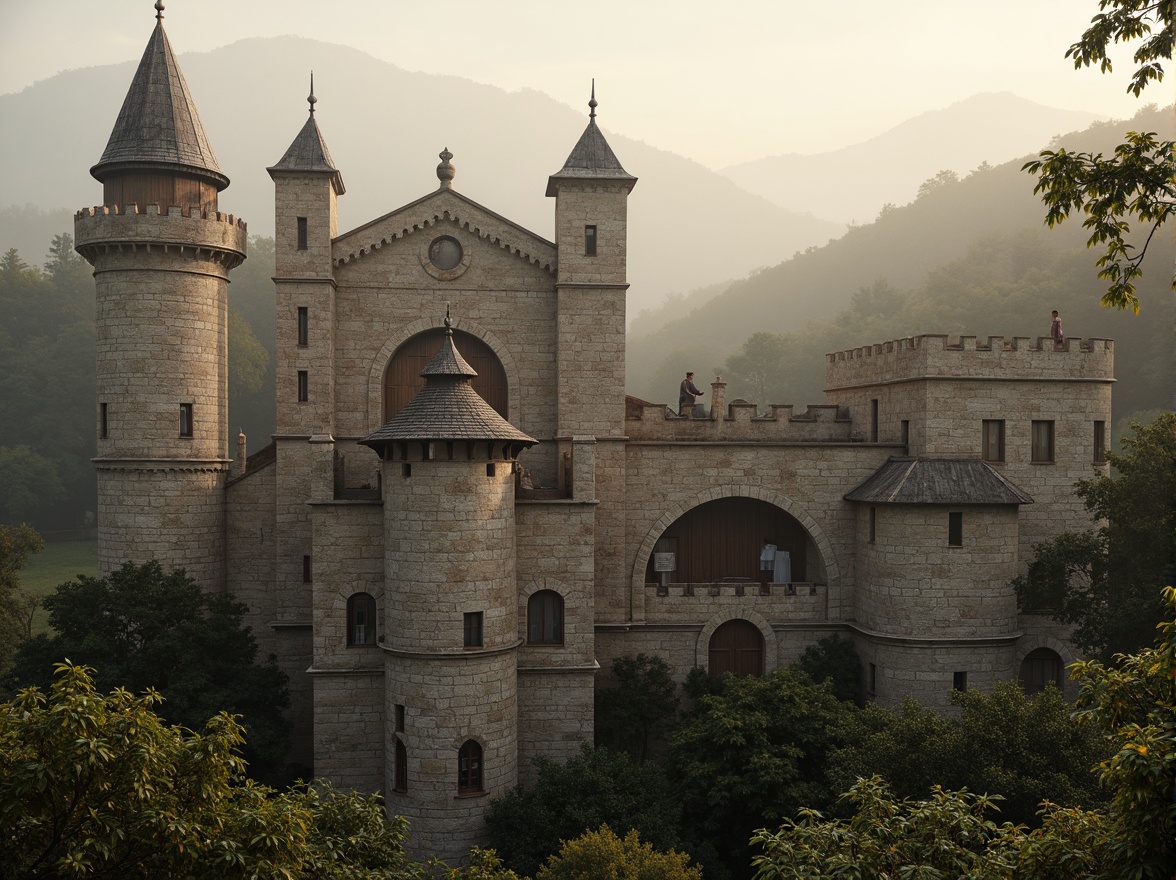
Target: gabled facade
{"type": "Point", "coordinates": [462, 520]}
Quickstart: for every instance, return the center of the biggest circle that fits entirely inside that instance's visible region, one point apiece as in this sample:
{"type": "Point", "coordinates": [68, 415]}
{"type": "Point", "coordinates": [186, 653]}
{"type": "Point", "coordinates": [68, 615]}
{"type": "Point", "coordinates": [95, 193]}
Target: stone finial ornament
{"type": "Point", "coordinates": [592, 105]}
{"type": "Point", "coordinates": [159, 10]}
{"type": "Point", "coordinates": [311, 99]}
{"type": "Point", "coordinates": [445, 171]}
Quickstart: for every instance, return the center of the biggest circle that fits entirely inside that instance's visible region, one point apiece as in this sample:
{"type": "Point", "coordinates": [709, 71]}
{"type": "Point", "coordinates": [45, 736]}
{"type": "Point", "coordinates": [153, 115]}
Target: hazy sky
{"type": "Point", "coordinates": [719, 82]}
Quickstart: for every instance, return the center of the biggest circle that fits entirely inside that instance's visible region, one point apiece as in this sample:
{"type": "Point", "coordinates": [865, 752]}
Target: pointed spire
{"type": "Point", "coordinates": [158, 127]}
{"type": "Point", "coordinates": [592, 158]}
{"type": "Point", "coordinates": [308, 151]}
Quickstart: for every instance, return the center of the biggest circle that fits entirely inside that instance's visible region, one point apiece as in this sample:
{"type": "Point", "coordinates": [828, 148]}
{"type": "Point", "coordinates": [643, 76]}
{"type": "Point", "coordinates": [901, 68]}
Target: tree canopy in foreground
{"type": "Point", "coordinates": [1137, 184]}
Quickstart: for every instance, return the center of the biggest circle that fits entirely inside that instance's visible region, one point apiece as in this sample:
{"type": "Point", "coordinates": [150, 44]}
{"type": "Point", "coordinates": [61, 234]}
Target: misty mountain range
{"type": "Point", "coordinates": [689, 226]}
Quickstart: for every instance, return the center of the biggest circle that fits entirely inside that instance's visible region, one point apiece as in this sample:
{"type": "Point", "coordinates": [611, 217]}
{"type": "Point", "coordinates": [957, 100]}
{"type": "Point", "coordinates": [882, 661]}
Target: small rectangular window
{"type": "Point", "coordinates": [959, 681]}
{"type": "Point", "coordinates": [302, 237]}
{"type": "Point", "coordinates": [303, 325]}
{"type": "Point", "coordinates": [873, 523]}
{"type": "Point", "coordinates": [1100, 442]}
{"type": "Point", "coordinates": [992, 440]}
{"type": "Point", "coordinates": [102, 421]}
{"type": "Point", "coordinates": [473, 629]}
{"type": "Point", "coordinates": [955, 529]}
{"type": "Point", "coordinates": [590, 241]}
{"type": "Point", "coordinates": [303, 386]}
{"type": "Point", "coordinates": [906, 434]}
{"type": "Point", "coordinates": [1043, 442]}
{"type": "Point", "coordinates": [874, 420]}
{"type": "Point", "coordinates": [185, 420]}
{"type": "Point", "coordinates": [490, 469]}
{"type": "Point", "coordinates": [400, 718]}
{"type": "Point", "coordinates": [306, 579]}
{"type": "Point", "coordinates": [873, 683]}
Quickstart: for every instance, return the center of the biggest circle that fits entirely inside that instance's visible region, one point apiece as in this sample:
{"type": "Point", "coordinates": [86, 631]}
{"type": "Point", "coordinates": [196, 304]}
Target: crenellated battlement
{"type": "Point", "coordinates": [154, 211]}
{"type": "Point", "coordinates": [212, 235]}
{"type": "Point", "coordinates": [968, 357]}
{"type": "Point", "coordinates": [817, 423]}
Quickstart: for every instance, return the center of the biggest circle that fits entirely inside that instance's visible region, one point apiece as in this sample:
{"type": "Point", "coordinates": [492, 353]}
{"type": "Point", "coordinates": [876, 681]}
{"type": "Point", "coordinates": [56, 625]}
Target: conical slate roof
{"type": "Point", "coordinates": [937, 481]}
{"type": "Point", "coordinates": [309, 151]}
{"type": "Point", "coordinates": [592, 158]}
{"type": "Point", "coordinates": [447, 408]}
{"type": "Point", "coordinates": [158, 127]}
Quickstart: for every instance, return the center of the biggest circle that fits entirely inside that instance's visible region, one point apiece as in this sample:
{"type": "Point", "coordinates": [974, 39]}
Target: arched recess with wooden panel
{"type": "Point", "coordinates": [402, 379]}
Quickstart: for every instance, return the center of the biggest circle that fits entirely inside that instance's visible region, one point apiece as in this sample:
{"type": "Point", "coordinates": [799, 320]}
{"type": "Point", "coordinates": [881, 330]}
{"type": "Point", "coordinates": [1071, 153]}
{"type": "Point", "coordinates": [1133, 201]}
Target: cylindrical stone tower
{"type": "Point", "coordinates": [451, 618]}
{"type": "Point", "coordinates": [161, 254]}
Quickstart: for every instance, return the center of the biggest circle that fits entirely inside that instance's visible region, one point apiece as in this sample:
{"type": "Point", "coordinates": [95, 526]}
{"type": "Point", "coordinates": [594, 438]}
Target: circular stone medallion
{"type": "Point", "coordinates": [445, 253]}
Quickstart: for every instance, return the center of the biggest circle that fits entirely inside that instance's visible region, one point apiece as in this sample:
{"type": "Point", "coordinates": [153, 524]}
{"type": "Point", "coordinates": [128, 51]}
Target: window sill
{"type": "Point", "coordinates": [462, 795]}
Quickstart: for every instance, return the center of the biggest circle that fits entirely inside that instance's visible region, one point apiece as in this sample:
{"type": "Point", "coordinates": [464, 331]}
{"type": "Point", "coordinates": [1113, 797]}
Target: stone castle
{"type": "Point", "coordinates": [462, 519]}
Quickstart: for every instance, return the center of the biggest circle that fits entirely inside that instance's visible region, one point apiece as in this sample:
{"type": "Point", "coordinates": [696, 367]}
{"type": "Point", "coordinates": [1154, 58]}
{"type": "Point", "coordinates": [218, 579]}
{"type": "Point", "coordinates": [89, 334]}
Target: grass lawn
{"type": "Point", "coordinates": [56, 564]}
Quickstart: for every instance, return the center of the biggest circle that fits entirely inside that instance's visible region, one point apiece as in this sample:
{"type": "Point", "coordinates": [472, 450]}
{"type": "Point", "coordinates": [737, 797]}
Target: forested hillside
{"type": "Point", "coordinates": [968, 256]}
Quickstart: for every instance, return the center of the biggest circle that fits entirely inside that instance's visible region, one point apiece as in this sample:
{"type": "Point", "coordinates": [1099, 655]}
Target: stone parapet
{"type": "Point", "coordinates": [780, 603]}
{"type": "Point", "coordinates": [103, 228]}
{"type": "Point", "coordinates": [817, 423]}
{"type": "Point", "coordinates": [963, 357]}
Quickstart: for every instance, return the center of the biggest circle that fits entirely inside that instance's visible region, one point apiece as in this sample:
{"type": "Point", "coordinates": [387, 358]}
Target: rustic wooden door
{"type": "Point", "coordinates": [737, 647]}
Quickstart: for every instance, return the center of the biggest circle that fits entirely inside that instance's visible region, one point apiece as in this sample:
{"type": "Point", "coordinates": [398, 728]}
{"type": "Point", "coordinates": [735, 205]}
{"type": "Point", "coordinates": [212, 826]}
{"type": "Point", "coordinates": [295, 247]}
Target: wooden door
{"type": "Point", "coordinates": [737, 647]}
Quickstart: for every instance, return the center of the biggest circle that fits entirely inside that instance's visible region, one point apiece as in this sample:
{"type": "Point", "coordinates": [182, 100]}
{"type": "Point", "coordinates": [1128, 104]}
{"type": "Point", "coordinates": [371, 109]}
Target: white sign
{"type": "Point", "coordinates": [664, 562]}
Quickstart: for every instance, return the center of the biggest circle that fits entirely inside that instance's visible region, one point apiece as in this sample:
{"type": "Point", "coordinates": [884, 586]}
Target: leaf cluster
{"type": "Point", "coordinates": [601, 855]}
{"type": "Point", "coordinates": [16, 546]}
{"type": "Point", "coordinates": [639, 707]}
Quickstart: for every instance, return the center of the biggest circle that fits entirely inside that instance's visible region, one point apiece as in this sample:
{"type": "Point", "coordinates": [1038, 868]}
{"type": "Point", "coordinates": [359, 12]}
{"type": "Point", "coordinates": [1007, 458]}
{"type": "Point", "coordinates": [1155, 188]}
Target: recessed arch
{"type": "Point", "coordinates": [402, 377]}
{"type": "Point", "coordinates": [379, 364]}
{"type": "Point", "coordinates": [1039, 668]}
{"type": "Point", "coordinates": [676, 511]}
{"type": "Point", "coordinates": [747, 615]}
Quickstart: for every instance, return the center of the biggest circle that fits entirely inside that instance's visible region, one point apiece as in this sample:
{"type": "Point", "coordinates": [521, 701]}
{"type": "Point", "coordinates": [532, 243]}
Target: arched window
{"type": "Point", "coordinates": [361, 619]}
{"type": "Point", "coordinates": [737, 647]}
{"type": "Point", "coordinates": [545, 618]}
{"type": "Point", "coordinates": [401, 766]}
{"type": "Point", "coordinates": [1040, 667]}
{"type": "Point", "coordinates": [402, 379]}
{"type": "Point", "coordinates": [469, 767]}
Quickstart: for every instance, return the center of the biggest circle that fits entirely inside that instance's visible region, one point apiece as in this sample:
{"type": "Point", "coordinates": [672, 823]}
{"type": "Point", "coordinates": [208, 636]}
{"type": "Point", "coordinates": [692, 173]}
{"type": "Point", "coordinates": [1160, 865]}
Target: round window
{"type": "Point", "coordinates": [445, 253]}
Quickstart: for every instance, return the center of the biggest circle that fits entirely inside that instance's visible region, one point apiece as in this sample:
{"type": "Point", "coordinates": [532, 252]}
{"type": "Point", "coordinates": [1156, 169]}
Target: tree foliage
{"type": "Point", "coordinates": [1027, 748]}
{"type": "Point", "coordinates": [1131, 705]}
{"type": "Point", "coordinates": [1137, 184]}
{"type": "Point", "coordinates": [16, 546]}
{"type": "Point", "coordinates": [95, 785]}
{"type": "Point", "coordinates": [639, 707]}
{"type": "Point", "coordinates": [596, 787]}
{"type": "Point", "coordinates": [143, 629]}
{"type": "Point", "coordinates": [834, 659]}
{"type": "Point", "coordinates": [1106, 580]}
{"type": "Point", "coordinates": [601, 855]}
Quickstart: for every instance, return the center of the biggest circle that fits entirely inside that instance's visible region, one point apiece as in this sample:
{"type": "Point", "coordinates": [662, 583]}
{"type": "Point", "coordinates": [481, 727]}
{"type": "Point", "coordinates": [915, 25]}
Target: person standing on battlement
{"type": "Point", "coordinates": [686, 395]}
{"type": "Point", "coordinates": [1055, 330]}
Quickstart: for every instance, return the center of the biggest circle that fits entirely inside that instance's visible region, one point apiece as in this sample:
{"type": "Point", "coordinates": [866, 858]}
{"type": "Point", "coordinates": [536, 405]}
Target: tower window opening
{"type": "Point", "coordinates": [955, 529]}
{"type": "Point", "coordinates": [303, 325]}
{"type": "Point", "coordinates": [873, 524]}
{"type": "Point", "coordinates": [590, 241]}
{"type": "Point", "coordinates": [959, 681]}
{"type": "Point", "coordinates": [874, 420]}
{"type": "Point", "coordinates": [545, 612]}
{"type": "Point", "coordinates": [401, 766]}
{"type": "Point", "coordinates": [993, 440]}
{"type": "Point", "coordinates": [102, 432]}
{"type": "Point", "coordinates": [469, 768]}
{"type": "Point", "coordinates": [306, 571]}
{"type": "Point", "coordinates": [303, 386]}
{"type": "Point", "coordinates": [361, 619]}
{"type": "Point", "coordinates": [472, 630]}
{"type": "Point", "coordinates": [1100, 442]}
{"type": "Point", "coordinates": [185, 420]}
{"type": "Point", "coordinates": [400, 718]}
{"type": "Point", "coordinates": [1043, 442]}
{"type": "Point", "coordinates": [302, 235]}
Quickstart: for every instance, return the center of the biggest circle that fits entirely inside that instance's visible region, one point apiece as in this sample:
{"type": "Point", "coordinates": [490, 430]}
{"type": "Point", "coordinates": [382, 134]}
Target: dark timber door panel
{"type": "Point", "coordinates": [737, 647]}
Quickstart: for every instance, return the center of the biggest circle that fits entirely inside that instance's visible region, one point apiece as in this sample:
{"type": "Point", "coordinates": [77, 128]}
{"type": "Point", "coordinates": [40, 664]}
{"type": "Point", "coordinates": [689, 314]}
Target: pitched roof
{"type": "Point", "coordinates": [447, 408]}
{"type": "Point", "coordinates": [158, 127]}
{"type": "Point", "coordinates": [937, 481]}
{"type": "Point", "coordinates": [592, 158]}
{"type": "Point", "coordinates": [309, 152]}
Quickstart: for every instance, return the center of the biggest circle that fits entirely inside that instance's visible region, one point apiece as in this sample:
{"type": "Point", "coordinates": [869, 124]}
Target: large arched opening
{"type": "Point", "coordinates": [723, 540]}
{"type": "Point", "coordinates": [402, 379]}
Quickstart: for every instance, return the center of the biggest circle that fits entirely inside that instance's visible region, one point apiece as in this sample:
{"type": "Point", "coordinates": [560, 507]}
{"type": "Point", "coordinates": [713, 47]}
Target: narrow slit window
{"type": "Point", "coordinates": [303, 325]}
{"type": "Point", "coordinates": [873, 524]}
{"type": "Point", "coordinates": [185, 420]}
{"type": "Point", "coordinates": [306, 572]}
{"type": "Point", "coordinates": [400, 718]}
{"type": "Point", "coordinates": [874, 420]}
{"type": "Point", "coordinates": [590, 241]}
{"type": "Point", "coordinates": [303, 386]}
{"type": "Point", "coordinates": [1100, 442]}
{"type": "Point", "coordinates": [302, 236]}
{"type": "Point", "coordinates": [955, 529]}
{"type": "Point", "coordinates": [401, 766]}
{"type": "Point", "coordinates": [472, 636]}
{"type": "Point", "coordinates": [102, 426]}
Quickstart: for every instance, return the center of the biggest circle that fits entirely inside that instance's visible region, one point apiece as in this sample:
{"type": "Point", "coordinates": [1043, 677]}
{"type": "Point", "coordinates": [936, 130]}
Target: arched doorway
{"type": "Point", "coordinates": [1040, 667]}
{"type": "Point", "coordinates": [736, 647]}
{"type": "Point", "coordinates": [722, 539]}
{"type": "Point", "coordinates": [402, 379]}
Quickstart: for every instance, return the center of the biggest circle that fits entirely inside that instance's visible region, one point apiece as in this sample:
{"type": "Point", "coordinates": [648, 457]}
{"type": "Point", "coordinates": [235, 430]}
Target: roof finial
{"type": "Point", "coordinates": [159, 10]}
{"type": "Point", "coordinates": [311, 99]}
{"type": "Point", "coordinates": [445, 171]}
{"type": "Point", "coordinates": [448, 322]}
{"type": "Point", "coordinates": [592, 103]}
